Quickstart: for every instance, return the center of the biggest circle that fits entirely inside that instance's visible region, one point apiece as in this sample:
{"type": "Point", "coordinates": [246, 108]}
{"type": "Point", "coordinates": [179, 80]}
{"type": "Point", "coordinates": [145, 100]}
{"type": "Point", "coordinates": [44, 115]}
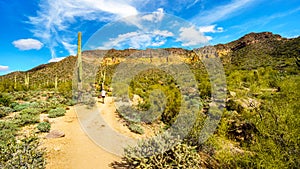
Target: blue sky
{"type": "Point", "coordinates": [36, 32]}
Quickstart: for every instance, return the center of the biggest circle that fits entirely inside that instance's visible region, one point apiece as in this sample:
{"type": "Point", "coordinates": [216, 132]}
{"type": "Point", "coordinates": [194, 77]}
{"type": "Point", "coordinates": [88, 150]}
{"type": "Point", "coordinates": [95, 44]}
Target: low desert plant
{"type": "Point", "coordinates": [160, 153]}
{"type": "Point", "coordinates": [22, 106]}
{"type": "Point", "coordinates": [5, 99]}
{"type": "Point", "coordinates": [136, 128]}
{"type": "Point", "coordinates": [24, 153]}
{"type": "Point", "coordinates": [7, 131]}
{"type": "Point", "coordinates": [4, 111]}
{"type": "Point", "coordinates": [33, 111]}
{"type": "Point", "coordinates": [25, 119]}
{"type": "Point", "coordinates": [44, 127]}
{"type": "Point", "coordinates": [57, 112]}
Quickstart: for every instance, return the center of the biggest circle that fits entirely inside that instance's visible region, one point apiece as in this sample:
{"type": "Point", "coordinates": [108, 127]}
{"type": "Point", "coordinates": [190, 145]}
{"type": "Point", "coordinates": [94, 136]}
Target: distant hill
{"type": "Point", "coordinates": [249, 52]}
{"type": "Point", "coordinates": [260, 49]}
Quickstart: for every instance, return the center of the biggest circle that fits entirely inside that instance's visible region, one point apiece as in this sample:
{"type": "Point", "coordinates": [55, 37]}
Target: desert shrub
{"type": "Point", "coordinates": [65, 89]}
{"type": "Point", "coordinates": [71, 102]}
{"type": "Point", "coordinates": [4, 111]}
{"type": "Point", "coordinates": [7, 131]}
{"type": "Point", "coordinates": [57, 112]}
{"type": "Point", "coordinates": [33, 111]}
{"type": "Point", "coordinates": [44, 126]}
{"type": "Point", "coordinates": [13, 104]}
{"type": "Point", "coordinates": [22, 106]}
{"type": "Point", "coordinates": [5, 99]}
{"type": "Point", "coordinates": [25, 119]}
{"type": "Point", "coordinates": [21, 154]}
{"type": "Point", "coordinates": [144, 85]}
{"type": "Point", "coordinates": [150, 154]}
{"type": "Point", "coordinates": [136, 128]}
{"type": "Point", "coordinates": [131, 115]}
{"type": "Point", "coordinates": [34, 105]}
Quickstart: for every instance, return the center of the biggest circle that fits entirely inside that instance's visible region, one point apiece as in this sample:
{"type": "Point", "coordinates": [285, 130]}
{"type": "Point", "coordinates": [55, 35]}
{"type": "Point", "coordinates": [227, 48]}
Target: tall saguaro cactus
{"type": "Point", "coordinates": [103, 73]}
{"type": "Point", "coordinates": [26, 80]}
{"type": "Point", "coordinates": [298, 61]}
{"type": "Point", "coordinates": [55, 82]}
{"type": "Point", "coordinates": [79, 58]}
{"type": "Point", "coordinates": [15, 84]}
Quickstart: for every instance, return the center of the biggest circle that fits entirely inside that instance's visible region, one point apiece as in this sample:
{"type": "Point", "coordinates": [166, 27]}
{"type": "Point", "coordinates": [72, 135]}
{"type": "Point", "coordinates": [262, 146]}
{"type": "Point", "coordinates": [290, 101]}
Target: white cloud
{"type": "Point", "coordinates": [70, 47]}
{"type": "Point", "coordinates": [28, 44]}
{"type": "Point", "coordinates": [209, 38]}
{"type": "Point", "coordinates": [156, 16]}
{"type": "Point", "coordinates": [3, 68]}
{"type": "Point", "coordinates": [56, 59]}
{"type": "Point", "coordinates": [190, 36]}
{"type": "Point", "coordinates": [138, 39]}
{"type": "Point", "coordinates": [210, 29]}
{"type": "Point", "coordinates": [56, 17]}
{"type": "Point", "coordinates": [147, 21]}
{"type": "Point", "coordinates": [193, 3]}
{"type": "Point", "coordinates": [221, 12]}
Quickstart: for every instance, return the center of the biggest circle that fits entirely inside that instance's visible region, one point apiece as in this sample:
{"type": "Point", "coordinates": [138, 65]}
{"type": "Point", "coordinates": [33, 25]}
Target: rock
{"type": "Point", "coordinates": [44, 118]}
{"type": "Point", "coordinates": [56, 148]}
{"type": "Point", "coordinates": [55, 134]}
{"type": "Point", "coordinates": [243, 104]}
{"type": "Point", "coordinates": [232, 94]}
{"type": "Point", "coordinates": [136, 100]}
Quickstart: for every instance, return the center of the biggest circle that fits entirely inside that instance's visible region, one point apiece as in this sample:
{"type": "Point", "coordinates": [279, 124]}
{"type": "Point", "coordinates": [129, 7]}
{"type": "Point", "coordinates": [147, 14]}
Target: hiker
{"type": "Point", "coordinates": [103, 92]}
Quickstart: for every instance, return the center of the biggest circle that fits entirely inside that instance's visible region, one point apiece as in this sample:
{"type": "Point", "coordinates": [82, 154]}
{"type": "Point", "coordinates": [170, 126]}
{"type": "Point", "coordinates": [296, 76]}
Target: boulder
{"type": "Point", "coordinates": [55, 134]}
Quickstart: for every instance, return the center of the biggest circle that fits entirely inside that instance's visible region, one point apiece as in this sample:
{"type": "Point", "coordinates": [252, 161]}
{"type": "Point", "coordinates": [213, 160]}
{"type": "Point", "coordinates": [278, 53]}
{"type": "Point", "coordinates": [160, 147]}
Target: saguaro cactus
{"type": "Point", "coordinates": [55, 82]}
{"type": "Point", "coordinates": [298, 61]}
{"type": "Point", "coordinates": [15, 84]}
{"type": "Point", "coordinates": [79, 59]}
{"type": "Point", "coordinates": [103, 78]}
{"type": "Point", "coordinates": [26, 80]}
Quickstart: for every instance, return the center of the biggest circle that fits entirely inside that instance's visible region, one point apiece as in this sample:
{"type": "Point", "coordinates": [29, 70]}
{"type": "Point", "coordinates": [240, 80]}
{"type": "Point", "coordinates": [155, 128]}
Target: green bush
{"type": "Point", "coordinates": [22, 154]}
{"type": "Point", "coordinates": [4, 111]}
{"type": "Point", "coordinates": [5, 100]}
{"type": "Point", "coordinates": [7, 131]}
{"type": "Point", "coordinates": [136, 128]}
{"type": "Point", "coordinates": [160, 152]}
{"type": "Point", "coordinates": [44, 126]}
{"type": "Point", "coordinates": [56, 112]}
{"type": "Point", "coordinates": [71, 102]}
{"type": "Point", "coordinates": [22, 106]}
{"type": "Point", "coordinates": [33, 111]}
{"type": "Point", "coordinates": [25, 119]}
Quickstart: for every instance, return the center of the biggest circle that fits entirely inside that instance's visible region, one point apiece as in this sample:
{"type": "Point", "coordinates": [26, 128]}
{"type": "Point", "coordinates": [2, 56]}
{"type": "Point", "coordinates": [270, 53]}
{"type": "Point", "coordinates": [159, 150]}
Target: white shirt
{"type": "Point", "coordinates": [103, 93]}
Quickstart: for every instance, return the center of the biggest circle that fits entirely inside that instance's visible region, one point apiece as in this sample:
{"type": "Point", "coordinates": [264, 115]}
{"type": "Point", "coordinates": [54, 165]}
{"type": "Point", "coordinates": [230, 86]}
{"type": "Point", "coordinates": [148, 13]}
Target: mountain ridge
{"type": "Point", "coordinates": [264, 46]}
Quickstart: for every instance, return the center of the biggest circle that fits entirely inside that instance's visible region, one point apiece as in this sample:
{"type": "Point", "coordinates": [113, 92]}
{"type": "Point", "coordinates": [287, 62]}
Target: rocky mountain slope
{"type": "Point", "coordinates": [248, 52]}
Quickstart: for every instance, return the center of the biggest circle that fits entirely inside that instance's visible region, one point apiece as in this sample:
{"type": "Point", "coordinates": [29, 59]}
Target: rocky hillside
{"type": "Point", "coordinates": [248, 52]}
{"type": "Point", "coordinates": [260, 49]}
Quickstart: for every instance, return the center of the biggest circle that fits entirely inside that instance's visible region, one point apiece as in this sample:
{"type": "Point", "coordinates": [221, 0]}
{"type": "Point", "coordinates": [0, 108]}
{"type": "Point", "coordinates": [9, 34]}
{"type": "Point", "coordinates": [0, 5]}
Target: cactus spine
{"type": "Point", "coordinates": [79, 59]}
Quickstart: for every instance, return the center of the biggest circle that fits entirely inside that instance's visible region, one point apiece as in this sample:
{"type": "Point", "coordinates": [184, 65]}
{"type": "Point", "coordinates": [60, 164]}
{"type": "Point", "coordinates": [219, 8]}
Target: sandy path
{"type": "Point", "coordinates": [112, 118]}
{"type": "Point", "coordinates": [76, 150]}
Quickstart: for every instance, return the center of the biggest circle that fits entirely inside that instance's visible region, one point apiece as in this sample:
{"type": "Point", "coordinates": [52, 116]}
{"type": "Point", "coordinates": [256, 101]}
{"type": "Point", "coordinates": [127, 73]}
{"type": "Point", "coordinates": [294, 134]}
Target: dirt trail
{"type": "Point", "coordinates": [76, 150]}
